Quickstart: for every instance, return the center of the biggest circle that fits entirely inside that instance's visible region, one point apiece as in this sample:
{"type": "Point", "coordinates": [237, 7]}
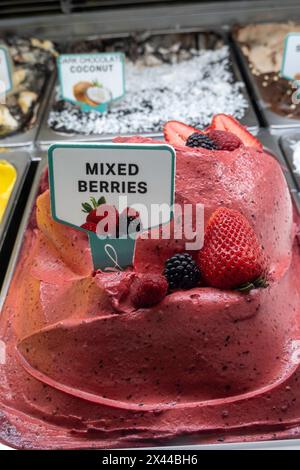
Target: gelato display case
{"type": "Point", "coordinates": [177, 350]}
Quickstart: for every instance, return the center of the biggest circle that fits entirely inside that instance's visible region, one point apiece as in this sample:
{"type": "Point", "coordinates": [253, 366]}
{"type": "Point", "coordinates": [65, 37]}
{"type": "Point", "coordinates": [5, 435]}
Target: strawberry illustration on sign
{"type": "Point", "coordinates": [114, 225]}
{"type": "Point", "coordinates": [98, 211]}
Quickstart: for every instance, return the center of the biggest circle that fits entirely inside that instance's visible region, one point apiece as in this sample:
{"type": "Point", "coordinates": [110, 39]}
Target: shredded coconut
{"type": "Point", "coordinates": [191, 91]}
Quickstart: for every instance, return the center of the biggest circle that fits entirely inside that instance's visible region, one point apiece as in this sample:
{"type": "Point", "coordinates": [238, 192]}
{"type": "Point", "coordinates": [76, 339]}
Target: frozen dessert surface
{"type": "Point", "coordinates": [86, 367]}
{"type": "Point", "coordinates": [8, 175]}
{"type": "Point", "coordinates": [175, 80]}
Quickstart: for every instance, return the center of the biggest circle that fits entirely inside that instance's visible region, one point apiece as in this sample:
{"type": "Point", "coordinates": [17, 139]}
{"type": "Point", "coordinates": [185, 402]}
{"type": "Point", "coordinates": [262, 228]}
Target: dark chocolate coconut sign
{"type": "Point", "coordinates": [114, 192]}
{"type": "Point", "coordinates": [92, 80]}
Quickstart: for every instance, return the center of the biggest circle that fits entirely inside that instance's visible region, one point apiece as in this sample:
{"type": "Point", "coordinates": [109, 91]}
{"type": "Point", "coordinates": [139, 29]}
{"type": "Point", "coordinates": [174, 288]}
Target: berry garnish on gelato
{"type": "Point", "coordinates": [231, 256]}
{"type": "Point", "coordinates": [224, 133]}
{"type": "Point", "coordinates": [169, 348]}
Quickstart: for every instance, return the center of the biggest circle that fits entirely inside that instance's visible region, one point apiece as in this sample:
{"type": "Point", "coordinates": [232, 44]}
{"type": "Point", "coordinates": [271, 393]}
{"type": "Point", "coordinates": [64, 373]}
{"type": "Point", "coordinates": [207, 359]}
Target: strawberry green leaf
{"type": "Point", "coordinates": [86, 207]}
{"type": "Point", "coordinates": [94, 202]}
{"type": "Point", "coordinates": [102, 200]}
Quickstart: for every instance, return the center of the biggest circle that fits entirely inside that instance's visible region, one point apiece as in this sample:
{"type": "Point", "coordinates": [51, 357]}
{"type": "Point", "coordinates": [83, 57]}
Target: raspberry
{"type": "Point", "coordinates": [225, 140]}
{"type": "Point", "coordinates": [182, 272]}
{"type": "Point", "coordinates": [148, 290]}
{"type": "Point", "coordinates": [200, 140]}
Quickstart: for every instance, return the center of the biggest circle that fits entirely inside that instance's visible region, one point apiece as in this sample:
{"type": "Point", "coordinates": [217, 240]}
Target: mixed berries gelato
{"type": "Point", "coordinates": [198, 346]}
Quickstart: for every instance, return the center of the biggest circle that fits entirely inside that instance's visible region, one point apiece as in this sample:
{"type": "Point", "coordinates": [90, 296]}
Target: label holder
{"type": "Point", "coordinates": [109, 254]}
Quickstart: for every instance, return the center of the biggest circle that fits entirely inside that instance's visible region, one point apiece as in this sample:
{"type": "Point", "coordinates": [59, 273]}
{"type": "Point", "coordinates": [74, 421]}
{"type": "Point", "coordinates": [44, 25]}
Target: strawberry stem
{"type": "Point", "coordinates": [260, 282]}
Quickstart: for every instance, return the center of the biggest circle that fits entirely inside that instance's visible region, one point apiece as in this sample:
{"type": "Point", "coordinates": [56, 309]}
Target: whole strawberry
{"type": "Point", "coordinates": [231, 257]}
{"type": "Point", "coordinates": [224, 140]}
{"type": "Point", "coordinates": [130, 222]}
{"type": "Point", "coordinates": [148, 290]}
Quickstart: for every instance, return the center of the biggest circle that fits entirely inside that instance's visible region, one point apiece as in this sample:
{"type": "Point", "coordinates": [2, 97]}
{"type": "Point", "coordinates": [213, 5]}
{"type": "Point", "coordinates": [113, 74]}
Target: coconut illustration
{"type": "Point", "coordinates": [91, 93]}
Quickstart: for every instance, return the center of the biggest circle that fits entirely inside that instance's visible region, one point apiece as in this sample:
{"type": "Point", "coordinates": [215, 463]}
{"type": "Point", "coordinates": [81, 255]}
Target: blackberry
{"type": "Point", "coordinates": [181, 272]}
{"type": "Point", "coordinates": [200, 140]}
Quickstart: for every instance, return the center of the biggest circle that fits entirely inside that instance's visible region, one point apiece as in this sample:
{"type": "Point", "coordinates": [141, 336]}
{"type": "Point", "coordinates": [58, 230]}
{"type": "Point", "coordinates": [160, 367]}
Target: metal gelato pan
{"type": "Point", "coordinates": [143, 111]}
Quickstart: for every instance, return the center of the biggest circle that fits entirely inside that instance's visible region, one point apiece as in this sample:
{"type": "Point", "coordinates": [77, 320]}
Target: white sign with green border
{"type": "Point", "coordinates": [92, 81]}
{"type": "Point", "coordinates": [6, 82]}
{"type": "Point", "coordinates": [82, 176]}
{"type": "Point", "coordinates": [291, 57]}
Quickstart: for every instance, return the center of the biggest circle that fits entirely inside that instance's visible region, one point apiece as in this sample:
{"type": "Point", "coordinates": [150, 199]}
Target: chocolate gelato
{"type": "Point", "coordinates": [263, 46]}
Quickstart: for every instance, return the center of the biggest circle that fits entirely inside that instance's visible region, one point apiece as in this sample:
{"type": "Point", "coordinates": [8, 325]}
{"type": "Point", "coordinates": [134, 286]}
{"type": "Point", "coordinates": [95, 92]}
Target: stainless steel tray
{"type": "Point", "coordinates": [28, 137]}
{"type": "Point", "coordinates": [47, 135]}
{"type": "Point", "coordinates": [20, 159]}
{"type": "Point", "coordinates": [270, 118]}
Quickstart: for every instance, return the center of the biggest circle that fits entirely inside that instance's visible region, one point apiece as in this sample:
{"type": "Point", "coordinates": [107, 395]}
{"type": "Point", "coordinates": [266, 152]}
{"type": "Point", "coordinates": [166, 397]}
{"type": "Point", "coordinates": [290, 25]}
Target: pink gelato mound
{"type": "Point", "coordinates": [82, 368]}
